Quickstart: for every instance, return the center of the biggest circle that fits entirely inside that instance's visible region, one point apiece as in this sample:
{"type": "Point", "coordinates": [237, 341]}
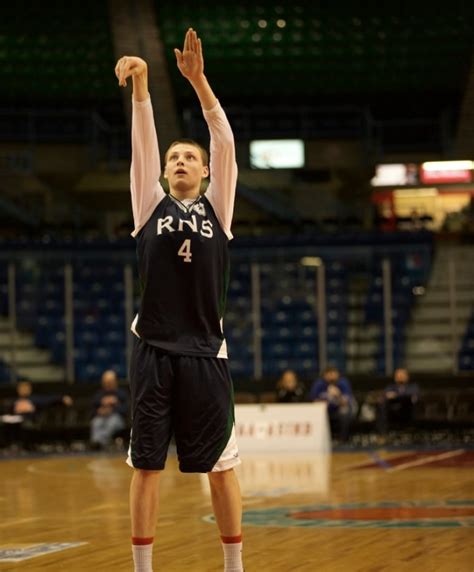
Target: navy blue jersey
{"type": "Point", "coordinates": [183, 264]}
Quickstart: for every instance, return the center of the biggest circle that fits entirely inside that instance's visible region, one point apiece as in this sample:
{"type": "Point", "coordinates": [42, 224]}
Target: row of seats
{"type": "Point", "coordinates": [311, 47]}
{"type": "Point", "coordinates": [5, 373]}
{"type": "Point", "coordinates": [289, 322]}
{"type": "Point", "coordinates": [466, 353]}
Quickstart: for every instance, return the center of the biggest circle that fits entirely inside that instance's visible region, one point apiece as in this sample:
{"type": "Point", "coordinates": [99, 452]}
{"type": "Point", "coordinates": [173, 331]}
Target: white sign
{"type": "Point", "coordinates": [283, 427]}
{"type": "Point", "coordinates": [277, 154]}
{"type": "Point", "coordinates": [391, 174]}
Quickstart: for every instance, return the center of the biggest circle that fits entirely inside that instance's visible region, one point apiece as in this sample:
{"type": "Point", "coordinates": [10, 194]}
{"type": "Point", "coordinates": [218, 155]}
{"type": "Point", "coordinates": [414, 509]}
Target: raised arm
{"type": "Point", "coordinates": [223, 166]}
{"type": "Point", "coordinates": [145, 169]}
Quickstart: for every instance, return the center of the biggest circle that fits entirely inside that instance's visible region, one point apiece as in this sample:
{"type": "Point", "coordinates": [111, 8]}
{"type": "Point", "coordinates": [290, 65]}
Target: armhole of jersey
{"type": "Point", "coordinates": [227, 232]}
{"type": "Point", "coordinates": [137, 229]}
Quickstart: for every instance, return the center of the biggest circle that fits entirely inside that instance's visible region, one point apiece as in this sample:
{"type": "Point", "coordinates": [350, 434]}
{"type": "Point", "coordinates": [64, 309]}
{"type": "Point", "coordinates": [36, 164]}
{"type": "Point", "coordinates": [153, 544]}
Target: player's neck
{"type": "Point", "coordinates": [183, 194]}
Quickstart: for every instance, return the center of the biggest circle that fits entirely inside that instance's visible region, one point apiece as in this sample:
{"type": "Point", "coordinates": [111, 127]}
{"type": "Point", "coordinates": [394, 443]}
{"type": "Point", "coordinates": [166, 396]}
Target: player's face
{"type": "Point", "coordinates": [184, 167]}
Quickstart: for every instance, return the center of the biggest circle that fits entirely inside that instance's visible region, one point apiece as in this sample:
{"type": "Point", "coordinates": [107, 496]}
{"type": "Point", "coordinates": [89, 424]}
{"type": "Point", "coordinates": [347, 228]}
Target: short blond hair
{"type": "Point", "coordinates": [202, 151]}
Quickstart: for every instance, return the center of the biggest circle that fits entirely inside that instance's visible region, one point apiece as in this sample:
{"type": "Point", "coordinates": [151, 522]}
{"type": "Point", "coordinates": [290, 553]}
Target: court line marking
{"type": "Point", "coordinates": [96, 517]}
{"type": "Point", "coordinates": [379, 460]}
{"type": "Point", "coordinates": [105, 506]}
{"type": "Point", "coordinates": [35, 470]}
{"type": "Point", "coordinates": [19, 521]}
{"type": "Point", "coordinates": [426, 460]}
{"type": "Point", "coordinates": [361, 463]}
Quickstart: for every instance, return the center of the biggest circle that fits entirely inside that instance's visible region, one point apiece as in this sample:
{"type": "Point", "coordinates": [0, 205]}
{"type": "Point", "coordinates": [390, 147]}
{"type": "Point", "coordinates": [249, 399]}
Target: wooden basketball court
{"type": "Point", "coordinates": [366, 512]}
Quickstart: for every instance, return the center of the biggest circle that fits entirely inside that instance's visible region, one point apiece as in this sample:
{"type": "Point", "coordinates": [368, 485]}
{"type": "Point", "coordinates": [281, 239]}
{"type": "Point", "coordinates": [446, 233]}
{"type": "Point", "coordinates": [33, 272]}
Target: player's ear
{"type": "Point", "coordinates": [165, 171]}
{"type": "Point", "coordinates": [205, 172]}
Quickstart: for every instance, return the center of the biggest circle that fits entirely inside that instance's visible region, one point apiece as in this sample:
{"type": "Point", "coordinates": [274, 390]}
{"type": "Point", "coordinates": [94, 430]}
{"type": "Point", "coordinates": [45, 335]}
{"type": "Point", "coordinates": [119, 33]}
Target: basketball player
{"type": "Point", "coordinates": [179, 377]}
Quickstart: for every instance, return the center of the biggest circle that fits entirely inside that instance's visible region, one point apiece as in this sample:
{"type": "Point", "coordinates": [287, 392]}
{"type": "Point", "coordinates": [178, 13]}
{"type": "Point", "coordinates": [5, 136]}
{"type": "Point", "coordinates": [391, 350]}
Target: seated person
{"type": "Point", "coordinates": [289, 388]}
{"type": "Point", "coordinates": [398, 401]}
{"type": "Point", "coordinates": [337, 391]}
{"type": "Point", "coordinates": [24, 410]}
{"type": "Point", "coordinates": [110, 411]}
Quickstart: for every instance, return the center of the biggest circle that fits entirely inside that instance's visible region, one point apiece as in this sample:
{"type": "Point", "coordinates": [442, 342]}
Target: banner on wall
{"type": "Point", "coordinates": [283, 427]}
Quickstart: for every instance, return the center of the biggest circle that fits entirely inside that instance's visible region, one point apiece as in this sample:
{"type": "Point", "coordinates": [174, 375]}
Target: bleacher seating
{"type": "Point", "coordinates": [267, 41]}
{"type": "Point", "coordinates": [289, 325]}
{"type": "Point", "coordinates": [466, 353]}
{"type": "Point", "coordinates": [408, 272]}
{"type": "Point", "coordinates": [5, 374]}
{"type": "Point", "coordinates": [59, 55]}
{"type": "Point", "coordinates": [99, 321]}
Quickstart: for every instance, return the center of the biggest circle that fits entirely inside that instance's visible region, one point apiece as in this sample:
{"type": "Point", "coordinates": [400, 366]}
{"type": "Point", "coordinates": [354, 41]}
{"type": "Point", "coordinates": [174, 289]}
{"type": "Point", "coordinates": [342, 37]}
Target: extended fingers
{"type": "Point", "coordinates": [197, 43]}
{"type": "Point", "coordinates": [179, 56]}
{"type": "Point", "coordinates": [191, 41]}
{"type": "Point", "coordinates": [187, 40]}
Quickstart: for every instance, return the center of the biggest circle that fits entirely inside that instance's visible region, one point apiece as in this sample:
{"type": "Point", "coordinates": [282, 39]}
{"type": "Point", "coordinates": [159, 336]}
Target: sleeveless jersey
{"type": "Point", "coordinates": [183, 264]}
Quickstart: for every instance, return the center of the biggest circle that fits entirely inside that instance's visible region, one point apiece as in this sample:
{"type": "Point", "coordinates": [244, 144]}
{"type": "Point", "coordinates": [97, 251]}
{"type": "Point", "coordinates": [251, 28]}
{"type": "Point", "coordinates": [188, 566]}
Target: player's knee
{"type": "Point", "coordinates": [219, 479]}
{"type": "Point", "coordinates": [146, 475]}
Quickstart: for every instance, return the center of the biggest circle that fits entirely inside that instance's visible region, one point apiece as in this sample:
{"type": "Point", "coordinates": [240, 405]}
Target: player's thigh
{"type": "Point", "coordinates": [204, 411]}
{"type": "Point", "coordinates": [151, 392]}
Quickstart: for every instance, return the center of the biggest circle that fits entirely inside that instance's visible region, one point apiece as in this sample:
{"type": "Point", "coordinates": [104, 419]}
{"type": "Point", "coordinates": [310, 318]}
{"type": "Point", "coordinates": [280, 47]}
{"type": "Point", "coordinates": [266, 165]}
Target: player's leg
{"type": "Point", "coordinates": [144, 495]}
{"type": "Point", "coordinates": [144, 492]}
{"type": "Point", "coordinates": [150, 384]}
{"type": "Point", "coordinates": [227, 506]}
{"type": "Point", "coordinates": [204, 392]}
{"type": "Point", "coordinates": [226, 502]}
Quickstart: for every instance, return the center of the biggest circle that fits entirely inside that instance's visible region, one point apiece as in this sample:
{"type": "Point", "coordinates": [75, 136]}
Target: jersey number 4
{"type": "Point", "coordinates": [185, 250]}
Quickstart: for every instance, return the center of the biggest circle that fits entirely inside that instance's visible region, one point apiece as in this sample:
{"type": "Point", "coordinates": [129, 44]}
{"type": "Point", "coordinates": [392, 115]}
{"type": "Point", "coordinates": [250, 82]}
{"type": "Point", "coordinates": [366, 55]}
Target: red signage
{"type": "Point", "coordinates": [430, 177]}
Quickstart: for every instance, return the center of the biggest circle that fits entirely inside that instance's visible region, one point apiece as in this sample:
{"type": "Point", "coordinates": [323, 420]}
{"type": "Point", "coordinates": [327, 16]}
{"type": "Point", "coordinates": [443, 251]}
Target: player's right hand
{"type": "Point", "coordinates": [129, 66]}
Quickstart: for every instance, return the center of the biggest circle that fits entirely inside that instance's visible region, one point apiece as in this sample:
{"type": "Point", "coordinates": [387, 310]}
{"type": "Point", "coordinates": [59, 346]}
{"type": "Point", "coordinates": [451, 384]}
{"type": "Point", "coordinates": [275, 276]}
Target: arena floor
{"type": "Point", "coordinates": [366, 511]}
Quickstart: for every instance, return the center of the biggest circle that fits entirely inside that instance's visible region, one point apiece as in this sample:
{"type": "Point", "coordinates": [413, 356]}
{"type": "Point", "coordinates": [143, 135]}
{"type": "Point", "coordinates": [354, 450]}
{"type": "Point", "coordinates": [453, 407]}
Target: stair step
{"type": "Point", "coordinates": [441, 296]}
{"type": "Point", "coordinates": [40, 373]}
{"type": "Point", "coordinates": [434, 330]}
{"type": "Point", "coordinates": [27, 355]}
{"type": "Point", "coordinates": [430, 346]}
{"type": "Point", "coordinates": [364, 365]}
{"type": "Point", "coordinates": [31, 362]}
{"type": "Point", "coordinates": [429, 364]}
{"type": "Point", "coordinates": [433, 313]}
{"type": "Point", "coordinates": [21, 340]}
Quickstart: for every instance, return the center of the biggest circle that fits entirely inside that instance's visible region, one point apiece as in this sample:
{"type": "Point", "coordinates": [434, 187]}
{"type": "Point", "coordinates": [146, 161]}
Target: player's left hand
{"type": "Point", "coordinates": [129, 66]}
{"type": "Point", "coordinates": [190, 61]}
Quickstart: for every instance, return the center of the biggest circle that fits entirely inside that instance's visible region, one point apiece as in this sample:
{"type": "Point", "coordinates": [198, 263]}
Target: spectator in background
{"type": "Point", "coordinates": [337, 392]}
{"type": "Point", "coordinates": [398, 401]}
{"type": "Point", "coordinates": [289, 389]}
{"type": "Point", "coordinates": [110, 410]}
{"type": "Point", "coordinates": [26, 404]}
{"type": "Point", "coordinates": [24, 410]}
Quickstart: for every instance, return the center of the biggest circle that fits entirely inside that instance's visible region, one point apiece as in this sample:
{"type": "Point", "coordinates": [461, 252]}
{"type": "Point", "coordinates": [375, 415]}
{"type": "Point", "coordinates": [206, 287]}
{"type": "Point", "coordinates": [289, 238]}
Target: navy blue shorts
{"type": "Point", "coordinates": [190, 397]}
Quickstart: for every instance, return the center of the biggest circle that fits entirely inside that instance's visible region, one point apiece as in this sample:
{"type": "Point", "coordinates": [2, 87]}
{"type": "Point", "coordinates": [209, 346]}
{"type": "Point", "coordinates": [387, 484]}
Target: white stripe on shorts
{"type": "Point", "coordinates": [230, 455]}
{"type": "Point", "coordinates": [129, 454]}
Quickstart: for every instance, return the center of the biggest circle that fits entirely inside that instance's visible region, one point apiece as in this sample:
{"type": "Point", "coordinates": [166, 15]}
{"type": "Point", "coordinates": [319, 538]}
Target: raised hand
{"type": "Point", "coordinates": [128, 66]}
{"type": "Point", "coordinates": [190, 61]}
